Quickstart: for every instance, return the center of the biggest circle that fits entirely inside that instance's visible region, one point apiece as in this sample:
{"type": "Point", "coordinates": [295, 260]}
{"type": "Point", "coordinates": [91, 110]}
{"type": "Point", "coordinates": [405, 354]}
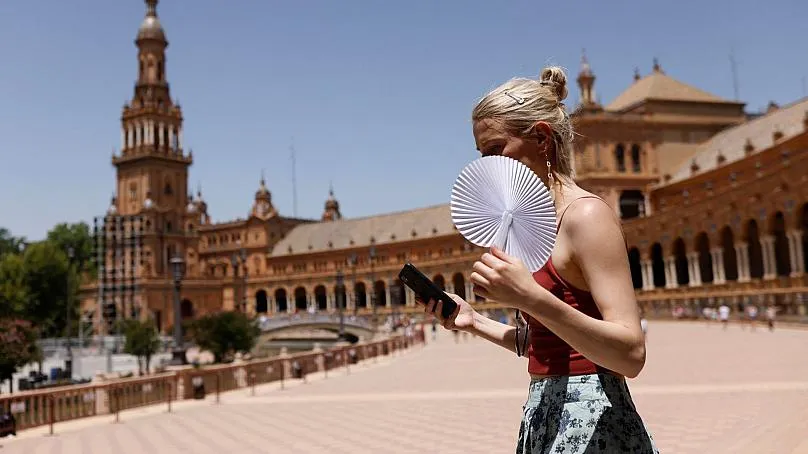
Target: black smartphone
{"type": "Point", "coordinates": [425, 289]}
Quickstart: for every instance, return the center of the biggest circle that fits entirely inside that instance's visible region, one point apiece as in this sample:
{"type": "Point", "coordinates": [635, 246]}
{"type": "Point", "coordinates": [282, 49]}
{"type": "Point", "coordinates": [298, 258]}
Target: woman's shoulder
{"type": "Point", "coordinates": [590, 218]}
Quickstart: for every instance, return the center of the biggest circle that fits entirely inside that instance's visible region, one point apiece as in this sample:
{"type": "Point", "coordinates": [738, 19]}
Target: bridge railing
{"type": "Point", "coordinates": [53, 405]}
{"type": "Point", "coordinates": [280, 321]}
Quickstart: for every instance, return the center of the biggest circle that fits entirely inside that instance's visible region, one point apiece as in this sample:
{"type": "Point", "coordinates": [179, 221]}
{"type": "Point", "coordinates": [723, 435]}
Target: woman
{"type": "Point", "coordinates": [584, 326]}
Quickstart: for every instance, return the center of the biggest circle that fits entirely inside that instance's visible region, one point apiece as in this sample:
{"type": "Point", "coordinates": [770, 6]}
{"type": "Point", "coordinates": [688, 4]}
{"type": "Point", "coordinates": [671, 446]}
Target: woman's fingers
{"type": "Point", "coordinates": [479, 279]}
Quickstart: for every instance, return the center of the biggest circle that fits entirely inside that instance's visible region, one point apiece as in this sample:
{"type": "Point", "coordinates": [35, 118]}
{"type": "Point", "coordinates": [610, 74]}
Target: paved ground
{"type": "Point", "coordinates": [703, 390]}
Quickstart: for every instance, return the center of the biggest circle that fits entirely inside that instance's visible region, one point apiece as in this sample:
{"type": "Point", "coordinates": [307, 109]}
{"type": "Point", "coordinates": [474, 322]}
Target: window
{"type": "Point", "coordinates": [620, 157]}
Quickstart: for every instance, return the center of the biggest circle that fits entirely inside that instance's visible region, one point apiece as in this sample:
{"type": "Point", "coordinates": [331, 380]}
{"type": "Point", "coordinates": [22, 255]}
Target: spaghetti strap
{"type": "Point", "coordinates": [561, 216]}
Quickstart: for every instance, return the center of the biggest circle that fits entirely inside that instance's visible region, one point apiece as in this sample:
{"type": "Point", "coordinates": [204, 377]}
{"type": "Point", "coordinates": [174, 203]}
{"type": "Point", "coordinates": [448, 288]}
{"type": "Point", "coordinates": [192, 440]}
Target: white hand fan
{"type": "Point", "coordinates": [498, 201]}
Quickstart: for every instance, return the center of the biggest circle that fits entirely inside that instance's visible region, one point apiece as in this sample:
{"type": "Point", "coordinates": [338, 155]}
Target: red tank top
{"type": "Point", "coordinates": [547, 353]}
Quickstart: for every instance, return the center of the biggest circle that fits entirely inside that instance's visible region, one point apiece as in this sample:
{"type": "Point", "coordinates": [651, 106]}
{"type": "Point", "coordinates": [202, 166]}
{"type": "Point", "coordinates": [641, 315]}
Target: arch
{"type": "Point", "coordinates": [301, 299]}
{"type": "Point", "coordinates": [186, 309]}
{"type": "Point", "coordinates": [459, 284]}
{"type": "Point", "coordinates": [782, 259]}
{"type": "Point", "coordinates": [439, 280]}
{"type": "Point", "coordinates": [380, 294]}
{"type": "Point", "coordinates": [160, 70]}
{"type": "Point", "coordinates": [728, 251]}
{"type": "Point", "coordinates": [636, 163]}
{"type": "Point", "coordinates": [281, 305]}
{"type": "Point", "coordinates": [261, 303]}
{"type": "Point", "coordinates": [340, 297]}
{"type": "Point", "coordinates": [680, 260]}
{"type": "Point", "coordinates": [167, 189]}
{"type": "Point", "coordinates": [803, 226]}
{"type": "Point", "coordinates": [360, 295]}
{"type": "Point", "coordinates": [632, 204]}
{"type": "Point", "coordinates": [752, 238]}
{"type": "Point", "coordinates": [658, 265]}
{"type": "Point", "coordinates": [705, 258]}
{"type": "Point", "coordinates": [397, 297]}
{"type": "Point", "coordinates": [636, 267]}
{"type": "Point", "coordinates": [320, 298]}
{"type": "Point", "coordinates": [620, 157]}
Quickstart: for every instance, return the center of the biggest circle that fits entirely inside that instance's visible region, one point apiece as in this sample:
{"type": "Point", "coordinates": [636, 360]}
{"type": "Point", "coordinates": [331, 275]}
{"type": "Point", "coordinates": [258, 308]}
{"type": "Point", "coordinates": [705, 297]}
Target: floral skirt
{"type": "Point", "coordinates": [582, 414]}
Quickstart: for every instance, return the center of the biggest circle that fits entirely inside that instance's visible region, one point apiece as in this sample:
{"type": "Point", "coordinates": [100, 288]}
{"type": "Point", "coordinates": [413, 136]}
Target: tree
{"type": "Point", "coordinates": [18, 346]}
{"type": "Point", "coordinates": [142, 341]}
{"type": "Point", "coordinates": [75, 237]}
{"type": "Point", "coordinates": [13, 290]}
{"type": "Point", "coordinates": [46, 277]}
{"type": "Point", "coordinates": [9, 243]}
{"type": "Point", "coordinates": [224, 334]}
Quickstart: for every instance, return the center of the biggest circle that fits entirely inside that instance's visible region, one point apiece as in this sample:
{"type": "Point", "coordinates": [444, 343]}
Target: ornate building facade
{"type": "Point", "coordinates": [714, 203]}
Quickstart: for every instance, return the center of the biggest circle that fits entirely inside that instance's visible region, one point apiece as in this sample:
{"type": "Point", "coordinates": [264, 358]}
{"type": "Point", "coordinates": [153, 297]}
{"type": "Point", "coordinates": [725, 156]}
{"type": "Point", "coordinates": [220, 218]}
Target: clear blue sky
{"type": "Point", "coordinates": [376, 94]}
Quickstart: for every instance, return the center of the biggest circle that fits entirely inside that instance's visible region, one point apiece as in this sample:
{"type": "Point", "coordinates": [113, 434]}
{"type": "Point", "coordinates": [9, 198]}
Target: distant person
{"type": "Point", "coordinates": [751, 314]}
{"type": "Point", "coordinates": [723, 315]}
{"type": "Point", "coordinates": [771, 314]}
{"type": "Point", "coordinates": [584, 326]}
{"type": "Point", "coordinates": [434, 328]}
{"type": "Point", "coordinates": [644, 326]}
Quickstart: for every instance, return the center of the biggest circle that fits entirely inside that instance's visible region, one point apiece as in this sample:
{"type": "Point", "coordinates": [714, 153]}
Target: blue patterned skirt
{"type": "Point", "coordinates": [582, 414]}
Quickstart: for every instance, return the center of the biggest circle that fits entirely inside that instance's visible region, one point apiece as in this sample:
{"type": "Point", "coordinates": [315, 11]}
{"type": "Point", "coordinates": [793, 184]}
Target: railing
{"type": "Point", "coordinates": [48, 407]}
{"type": "Point", "coordinates": [280, 321]}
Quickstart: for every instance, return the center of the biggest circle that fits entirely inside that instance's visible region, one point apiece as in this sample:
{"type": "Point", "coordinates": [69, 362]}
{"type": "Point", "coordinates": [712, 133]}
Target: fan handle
{"type": "Point", "coordinates": [501, 238]}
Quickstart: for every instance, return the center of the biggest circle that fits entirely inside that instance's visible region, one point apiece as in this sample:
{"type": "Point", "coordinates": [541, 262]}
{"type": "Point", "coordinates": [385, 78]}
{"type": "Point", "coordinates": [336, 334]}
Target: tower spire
{"type": "Point", "coordinates": [586, 83]}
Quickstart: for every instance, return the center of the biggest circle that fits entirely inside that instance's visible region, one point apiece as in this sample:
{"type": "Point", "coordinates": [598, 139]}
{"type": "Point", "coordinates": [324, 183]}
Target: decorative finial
{"type": "Point", "coordinates": [636, 74]}
{"type": "Point", "coordinates": [657, 68]}
{"type": "Point", "coordinates": [262, 178]}
{"type": "Point", "coordinates": [199, 190]}
{"type": "Point", "coordinates": [151, 8]}
{"type": "Point", "coordinates": [331, 188]}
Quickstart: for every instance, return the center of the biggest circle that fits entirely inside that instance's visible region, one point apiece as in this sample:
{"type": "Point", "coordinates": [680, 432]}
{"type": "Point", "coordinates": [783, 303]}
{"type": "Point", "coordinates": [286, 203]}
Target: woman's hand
{"type": "Point", "coordinates": [503, 279]}
{"type": "Point", "coordinates": [462, 319]}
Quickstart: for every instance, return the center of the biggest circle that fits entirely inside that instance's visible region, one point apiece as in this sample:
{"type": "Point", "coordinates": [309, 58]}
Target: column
{"type": "Point", "coordinates": [387, 301]}
{"type": "Point", "coordinates": [170, 137]}
{"type": "Point", "coordinates": [647, 274]}
{"type": "Point", "coordinates": [693, 269]}
{"type": "Point", "coordinates": [647, 201]}
{"type": "Point", "coordinates": [671, 279]}
{"type": "Point", "coordinates": [795, 252]}
{"type": "Point", "coordinates": [138, 134]}
{"type": "Point", "coordinates": [330, 302]}
{"type": "Point", "coordinates": [179, 139]}
{"type": "Point", "coordinates": [290, 304]}
{"type": "Point", "coordinates": [123, 138]}
{"type": "Point", "coordinates": [719, 275]}
{"type": "Point", "coordinates": [130, 137]}
{"type": "Point", "coordinates": [741, 250]}
{"type": "Point", "coordinates": [769, 260]}
{"type": "Point", "coordinates": [160, 129]}
{"type": "Point", "coordinates": [469, 291]}
{"type": "Point", "coordinates": [151, 132]}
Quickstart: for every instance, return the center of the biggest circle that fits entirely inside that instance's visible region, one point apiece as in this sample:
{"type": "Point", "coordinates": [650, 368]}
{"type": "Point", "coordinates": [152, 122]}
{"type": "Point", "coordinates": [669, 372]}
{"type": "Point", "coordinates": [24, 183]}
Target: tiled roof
{"type": "Point", "coordinates": [759, 132]}
{"type": "Point", "coordinates": [362, 232]}
{"type": "Point", "coordinates": [660, 86]}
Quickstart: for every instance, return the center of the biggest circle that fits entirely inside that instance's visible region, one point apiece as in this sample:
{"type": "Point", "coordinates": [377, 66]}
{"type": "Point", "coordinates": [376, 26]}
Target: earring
{"type": "Point", "coordinates": [549, 176]}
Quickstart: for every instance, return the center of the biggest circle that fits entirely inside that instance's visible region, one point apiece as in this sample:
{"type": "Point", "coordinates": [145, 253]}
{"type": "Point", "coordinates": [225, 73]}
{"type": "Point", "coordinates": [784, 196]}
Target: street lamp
{"type": "Point", "coordinates": [239, 259]}
{"type": "Point", "coordinates": [373, 286]}
{"type": "Point", "coordinates": [178, 271]}
{"type": "Point", "coordinates": [340, 293]}
{"type": "Point", "coordinates": [352, 260]}
{"type": "Point", "coordinates": [69, 360]}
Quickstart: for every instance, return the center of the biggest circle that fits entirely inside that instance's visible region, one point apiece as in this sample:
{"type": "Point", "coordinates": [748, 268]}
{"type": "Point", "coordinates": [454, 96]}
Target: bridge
{"type": "Point", "coordinates": [355, 328]}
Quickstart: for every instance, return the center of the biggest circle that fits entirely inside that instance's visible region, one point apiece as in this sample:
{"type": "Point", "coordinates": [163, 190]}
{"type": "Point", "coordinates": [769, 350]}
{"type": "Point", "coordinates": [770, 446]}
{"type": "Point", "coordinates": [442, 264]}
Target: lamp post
{"type": "Point", "coordinates": [239, 259]}
{"type": "Point", "coordinates": [352, 262]}
{"type": "Point", "coordinates": [372, 254]}
{"type": "Point", "coordinates": [340, 292]}
{"type": "Point", "coordinates": [69, 359]}
{"type": "Point", "coordinates": [178, 272]}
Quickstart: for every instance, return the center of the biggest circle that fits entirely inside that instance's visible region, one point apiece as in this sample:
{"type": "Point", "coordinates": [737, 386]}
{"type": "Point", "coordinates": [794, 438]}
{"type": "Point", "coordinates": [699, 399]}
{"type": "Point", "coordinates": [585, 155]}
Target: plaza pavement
{"type": "Point", "coordinates": [704, 390]}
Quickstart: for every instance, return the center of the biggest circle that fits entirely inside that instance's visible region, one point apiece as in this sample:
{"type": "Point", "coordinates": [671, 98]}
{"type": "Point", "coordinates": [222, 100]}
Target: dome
{"type": "Point", "coordinates": [151, 27]}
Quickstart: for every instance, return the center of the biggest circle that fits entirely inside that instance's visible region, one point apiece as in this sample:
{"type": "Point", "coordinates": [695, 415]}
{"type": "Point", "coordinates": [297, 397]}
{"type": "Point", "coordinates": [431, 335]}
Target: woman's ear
{"type": "Point", "coordinates": [543, 133]}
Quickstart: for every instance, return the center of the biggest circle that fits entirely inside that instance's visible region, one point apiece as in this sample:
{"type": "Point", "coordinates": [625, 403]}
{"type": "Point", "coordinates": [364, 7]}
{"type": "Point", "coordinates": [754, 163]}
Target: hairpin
{"type": "Point", "coordinates": [519, 100]}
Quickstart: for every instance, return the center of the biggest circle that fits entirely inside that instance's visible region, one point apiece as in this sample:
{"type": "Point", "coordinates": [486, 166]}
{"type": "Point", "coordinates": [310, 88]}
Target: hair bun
{"type": "Point", "coordinates": [555, 77]}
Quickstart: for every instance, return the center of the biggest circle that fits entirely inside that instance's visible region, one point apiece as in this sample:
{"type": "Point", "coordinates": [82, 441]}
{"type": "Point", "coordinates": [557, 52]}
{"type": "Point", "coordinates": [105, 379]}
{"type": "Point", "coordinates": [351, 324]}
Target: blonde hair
{"type": "Point", "coordinates": [520, 103]}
